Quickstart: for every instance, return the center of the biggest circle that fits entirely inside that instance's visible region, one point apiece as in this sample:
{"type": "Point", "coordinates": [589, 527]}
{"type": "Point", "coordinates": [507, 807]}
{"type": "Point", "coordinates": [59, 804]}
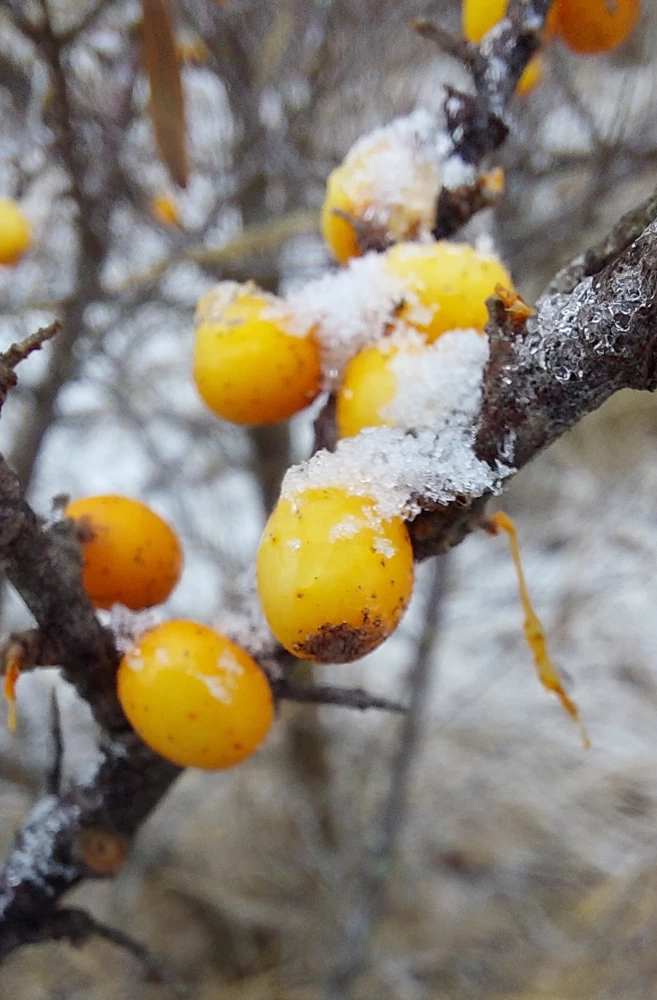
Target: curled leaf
{"type": "Point", "coordinates": [167, 106]}
{"type": "Point", "coordinates": [534, 632]}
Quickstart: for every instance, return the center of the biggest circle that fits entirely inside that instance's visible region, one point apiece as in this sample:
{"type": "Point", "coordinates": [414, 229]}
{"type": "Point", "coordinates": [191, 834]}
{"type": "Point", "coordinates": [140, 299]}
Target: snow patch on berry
{"type": "Point", "coordinates": [430, 455]}
{"type": "Point", "coordinates": [439, 386]}
{"type": "Point", "coordinates": [348, 310]}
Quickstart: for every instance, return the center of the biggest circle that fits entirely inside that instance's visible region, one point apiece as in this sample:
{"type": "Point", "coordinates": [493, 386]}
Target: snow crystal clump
{"type": "Point", "coordinates": [397, 470]}
{"type": "Point", "coordinates": [439, 385]}
{"type": "Point", "coordinates": [128, 626]}
{"type": "Point", "coordinates": [211, 306]}
{"type": "Point", "coordinates": [347, 310]}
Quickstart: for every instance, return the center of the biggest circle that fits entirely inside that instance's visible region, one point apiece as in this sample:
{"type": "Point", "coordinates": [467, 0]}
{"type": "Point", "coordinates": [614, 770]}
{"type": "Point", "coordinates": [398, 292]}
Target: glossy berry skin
{"type": "Point", "coordinates": [130, 555]}
{"type": "Point", "coordinates": [15, 232]}
{"type": "Point", "coordinates": [449, 282]}
{"type": "Point", "coordinates": [248, 369]}
{"type": "Point", "coordinates": [334, 578]}
{"type": "Point", "coordinates": [194, 697]}
{"type": "Point", "coordinates": [590, 27]}
{"type": "Point", "coordinates": [368, 385]}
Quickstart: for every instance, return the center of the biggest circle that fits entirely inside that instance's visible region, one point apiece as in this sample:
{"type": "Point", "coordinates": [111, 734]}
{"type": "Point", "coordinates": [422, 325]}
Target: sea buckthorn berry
{"type": "Point", "coordinates": [194, 696]}
{"type": "Point", "coordinates": [593, 26]}
{"type": "Point", "coordinates": [368, 386]}
{"type": "Point", "coordinates": [447, 285]}
{"type": "Point", "coordinates": [334, 576]}
{"type": "Point", "coordinates": [250, 367]}
{"type": "Point", "coordinates": [388, 182]}
{"type": "Point", "coordinates": [531, 76]}
{"type": "Point", "coordinates": [15, 232]}
{"type": "Point", "coordinates": [130, 555]}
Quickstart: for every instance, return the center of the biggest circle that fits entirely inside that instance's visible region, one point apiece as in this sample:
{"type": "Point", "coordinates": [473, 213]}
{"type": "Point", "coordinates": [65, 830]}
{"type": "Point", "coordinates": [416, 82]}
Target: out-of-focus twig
{"type": "Point", "coordinates": [325, 694]}
{"type": "Point", "coordinates": [379, 858]}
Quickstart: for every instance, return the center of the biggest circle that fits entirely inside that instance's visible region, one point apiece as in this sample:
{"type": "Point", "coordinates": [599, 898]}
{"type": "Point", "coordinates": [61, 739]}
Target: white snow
{"type": "Point", "coordinates": [439, 384]}
{"type": "Point", "coordinates": [395, 469]}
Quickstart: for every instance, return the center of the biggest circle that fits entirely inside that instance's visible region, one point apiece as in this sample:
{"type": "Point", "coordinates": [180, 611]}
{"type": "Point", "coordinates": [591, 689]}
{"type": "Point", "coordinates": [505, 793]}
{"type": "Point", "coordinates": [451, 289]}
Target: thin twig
{"type": "Point", "coordinates": [325, 694]}
{"type": "Point", "coordinates": [54, 776]}
{"type": "Point", "coordinates": [380, 857]}
{"type": "Point", "coordinates": [453, 45]}
{"type": "Point", "coordinates": [77, 926]}
{"type": "Point", "coordinates": [18, 352]}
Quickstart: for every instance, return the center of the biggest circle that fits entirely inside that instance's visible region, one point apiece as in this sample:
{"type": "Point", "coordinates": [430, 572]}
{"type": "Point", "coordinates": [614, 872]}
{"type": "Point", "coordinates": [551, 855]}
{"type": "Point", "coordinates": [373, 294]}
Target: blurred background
{"type": "Point", "coordinates": [525, 867]}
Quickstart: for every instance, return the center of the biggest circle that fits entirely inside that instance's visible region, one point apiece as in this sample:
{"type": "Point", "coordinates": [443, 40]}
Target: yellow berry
{"type": "Point", "coordinates": [15, 232]}
{"type": "Point", "coordinates": [479, 16]}
{"type": "Point", "coordinates": [130, 555]}
{"type": "Point", "coordinates": [165, 210]}
{"type": "Point", "coordinates": [339, 234]}
{"type": "Point", "coordinates": [387, 183]}
{"type": "Point", "coordinates": [195, 697]}
{"type": "Point", "coordinates": [446, 285]}
{"type": "Point", "coordinates": [368, 386]}
{"type": "Point", "coordinates": [334, 577]}
{"type": "Point", "coordinates": [248, 367]}
{"type": "Point", "coordinates": [531, 77]}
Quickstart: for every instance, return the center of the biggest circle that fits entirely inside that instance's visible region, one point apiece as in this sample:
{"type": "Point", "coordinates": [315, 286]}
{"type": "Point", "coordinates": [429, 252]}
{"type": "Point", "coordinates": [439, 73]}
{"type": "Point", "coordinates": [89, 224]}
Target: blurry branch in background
{"type": "Point", "coordinates": [254, 239]}
{"type": "Point", "coordinates": [92, 221]}
{"type": "Point", "coordinates": [379, 855]}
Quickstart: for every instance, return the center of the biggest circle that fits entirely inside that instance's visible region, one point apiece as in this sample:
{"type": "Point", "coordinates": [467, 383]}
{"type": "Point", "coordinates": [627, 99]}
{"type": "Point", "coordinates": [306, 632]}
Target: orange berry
{"type": "Point", "coordinates": [593, 26]}
{"type": "Point", "coordinates": [194, 696]}
{"type": "Point", "coordinates": [447, 285]}
{"type": "Point", "coordinates": [334, 577]}
{"type": "Point", "coordinates": [130, 555]}
{"type": "Point", "coordinates": [249, 365]}
{"type": "Point", "coordinates": [15, 232]}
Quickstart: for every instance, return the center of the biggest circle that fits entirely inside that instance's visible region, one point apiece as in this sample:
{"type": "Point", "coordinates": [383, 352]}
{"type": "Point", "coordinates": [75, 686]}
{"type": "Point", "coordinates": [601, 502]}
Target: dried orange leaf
{"type": "Point", "coordinates": [493, 181]}
{"type": "Point", "coordinates": [165, 210]}
{"type": "Point", "coordinates": [12, 673]}
{"type": "Point", "coordinates": [167, 106]}
{"type": "Point", "coordinates": [534, 632]}
{"type": "Point", "coordinates": [514, 304]}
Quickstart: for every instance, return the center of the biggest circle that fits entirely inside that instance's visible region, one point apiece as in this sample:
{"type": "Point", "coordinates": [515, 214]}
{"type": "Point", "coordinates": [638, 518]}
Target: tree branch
{"type": "Point", "coordinates": [476, 123]}
{"type": "Point", "coordinates": [547, 371]}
